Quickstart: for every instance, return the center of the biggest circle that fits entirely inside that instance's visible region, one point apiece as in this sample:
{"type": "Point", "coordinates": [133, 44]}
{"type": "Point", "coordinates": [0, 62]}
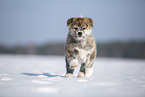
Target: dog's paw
{"type": "Point", "coordinates": [68, 75]}
{"type": "Point", "coordinates": [73, 63]}
{"type": "Point", "coordinates": [81, 75]}
{"type": "Point", "coordinates": [77, 48]}
{"type": "Point", "coordinates": [73, 66]}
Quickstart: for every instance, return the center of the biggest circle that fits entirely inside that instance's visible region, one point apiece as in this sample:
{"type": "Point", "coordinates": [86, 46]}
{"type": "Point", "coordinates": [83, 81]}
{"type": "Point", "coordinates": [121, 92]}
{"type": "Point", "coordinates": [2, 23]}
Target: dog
{"type": "Point", "coordinates": [80, 47]}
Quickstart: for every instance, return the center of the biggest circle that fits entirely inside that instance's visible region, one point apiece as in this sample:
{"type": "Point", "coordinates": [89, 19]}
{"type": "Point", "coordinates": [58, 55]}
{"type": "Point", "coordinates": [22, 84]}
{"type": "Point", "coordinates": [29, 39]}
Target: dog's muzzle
{"type": "Point", "coordinates": [79, 34]}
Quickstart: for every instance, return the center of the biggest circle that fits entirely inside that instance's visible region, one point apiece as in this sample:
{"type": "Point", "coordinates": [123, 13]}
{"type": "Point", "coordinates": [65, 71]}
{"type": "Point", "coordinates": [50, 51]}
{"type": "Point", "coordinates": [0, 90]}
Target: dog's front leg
{"type": "Point", "coordinates": [69, 71]}
{"type": "Point", "coordinates": [89, 64]}
{"type": "Point", "coordinates": [86, 69]}
{"type": "Point", "coordinates": [71, 63]}
{"type": "Point", "coordinates": [82, 70]}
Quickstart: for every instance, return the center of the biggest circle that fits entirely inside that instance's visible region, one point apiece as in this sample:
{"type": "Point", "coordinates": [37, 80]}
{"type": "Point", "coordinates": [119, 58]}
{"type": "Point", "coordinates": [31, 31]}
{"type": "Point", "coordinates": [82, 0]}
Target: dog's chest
{"type": "Point", "coordinates": [82, 56]}
{"type": "Point", "coordinates": [82, 53]}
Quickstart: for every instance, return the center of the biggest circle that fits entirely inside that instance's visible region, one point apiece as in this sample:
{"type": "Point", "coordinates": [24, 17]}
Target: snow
{"type": "Point", "coordinates": [43, 76]}
{"type": "Point", "coordinates": [47, 90]}
{"type": "Point", "coordinates": [41, 82]}
{"type": "Point", "coordinates": [6, 79]}
{"type": "Point", "coordinates": [82, 80]}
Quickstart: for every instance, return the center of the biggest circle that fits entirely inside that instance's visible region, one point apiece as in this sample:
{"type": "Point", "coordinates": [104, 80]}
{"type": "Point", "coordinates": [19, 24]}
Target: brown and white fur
{"type": "Point", "coordinates": [80, 47]}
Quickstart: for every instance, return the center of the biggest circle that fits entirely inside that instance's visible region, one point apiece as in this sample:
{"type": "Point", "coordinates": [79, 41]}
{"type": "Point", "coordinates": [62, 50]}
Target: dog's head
{"type": "Point", "coordinates": [80, 27]}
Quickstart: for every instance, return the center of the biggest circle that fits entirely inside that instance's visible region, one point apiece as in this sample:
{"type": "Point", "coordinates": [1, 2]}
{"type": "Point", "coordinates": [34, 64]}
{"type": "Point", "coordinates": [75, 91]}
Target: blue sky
{"type": "Point", "coordinates": [43, 21]}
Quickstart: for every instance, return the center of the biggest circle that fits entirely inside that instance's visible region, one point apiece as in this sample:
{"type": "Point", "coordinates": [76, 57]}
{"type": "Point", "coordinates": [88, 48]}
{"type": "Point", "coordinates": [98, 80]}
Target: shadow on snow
{"type": "Point", "coordinates": [45, 74]}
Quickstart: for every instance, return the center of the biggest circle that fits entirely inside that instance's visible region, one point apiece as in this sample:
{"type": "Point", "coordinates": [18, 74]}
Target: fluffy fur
{"type": "Point", "coordinates": [80, 46]}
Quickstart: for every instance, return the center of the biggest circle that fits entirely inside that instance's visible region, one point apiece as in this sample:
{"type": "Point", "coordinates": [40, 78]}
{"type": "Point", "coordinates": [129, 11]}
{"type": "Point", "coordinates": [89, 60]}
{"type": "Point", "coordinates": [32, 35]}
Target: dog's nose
{"type": "Point", "coordinates": [80, 33]}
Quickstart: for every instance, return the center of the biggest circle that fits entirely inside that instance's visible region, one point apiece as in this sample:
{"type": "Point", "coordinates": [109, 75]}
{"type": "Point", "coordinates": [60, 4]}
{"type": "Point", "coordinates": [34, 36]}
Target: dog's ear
{"type": "Point", "coordinates": [89, 21]}
{"type": "Point", "coordinates": [69, 21]}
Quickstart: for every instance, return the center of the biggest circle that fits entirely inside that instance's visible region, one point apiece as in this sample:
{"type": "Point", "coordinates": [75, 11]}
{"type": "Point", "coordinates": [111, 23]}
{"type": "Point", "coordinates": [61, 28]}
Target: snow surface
{"type": "Point", "coordinates": [43, 76]}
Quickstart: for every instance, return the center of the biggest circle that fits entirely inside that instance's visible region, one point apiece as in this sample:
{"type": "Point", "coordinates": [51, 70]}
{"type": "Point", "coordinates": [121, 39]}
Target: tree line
{"type": "Point", "coordinates": [115, 49]}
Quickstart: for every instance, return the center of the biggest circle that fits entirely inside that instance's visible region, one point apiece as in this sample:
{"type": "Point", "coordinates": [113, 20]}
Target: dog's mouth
{"type": "Point", "coordinates": [79, 37]}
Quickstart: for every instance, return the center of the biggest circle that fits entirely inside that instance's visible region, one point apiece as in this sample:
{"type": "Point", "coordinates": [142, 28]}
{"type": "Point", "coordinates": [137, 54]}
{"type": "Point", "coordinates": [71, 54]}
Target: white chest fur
{"type": "Point", "coordinates": [82, 56]}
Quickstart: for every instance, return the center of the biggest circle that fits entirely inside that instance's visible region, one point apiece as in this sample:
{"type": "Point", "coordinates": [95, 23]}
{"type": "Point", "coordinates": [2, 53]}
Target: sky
{"type": "Point", "coordinates": [44, 21]}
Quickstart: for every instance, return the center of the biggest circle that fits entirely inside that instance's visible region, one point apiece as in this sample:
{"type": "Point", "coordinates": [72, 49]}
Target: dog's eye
{"type": "Point", "coordinates": [84, 28]}
{"type": "Point", "coordinates": [76, 28]}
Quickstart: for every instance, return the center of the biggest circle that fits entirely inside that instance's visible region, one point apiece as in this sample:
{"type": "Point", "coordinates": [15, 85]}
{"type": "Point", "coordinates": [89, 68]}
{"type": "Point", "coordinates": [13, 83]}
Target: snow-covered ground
{"type": "Point", "coordinates": [43, 76]}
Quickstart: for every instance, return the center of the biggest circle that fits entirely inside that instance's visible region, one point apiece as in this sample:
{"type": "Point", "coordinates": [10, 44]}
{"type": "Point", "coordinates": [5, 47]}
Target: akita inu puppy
{"type": "Point", "coordinates": [80, 46]}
